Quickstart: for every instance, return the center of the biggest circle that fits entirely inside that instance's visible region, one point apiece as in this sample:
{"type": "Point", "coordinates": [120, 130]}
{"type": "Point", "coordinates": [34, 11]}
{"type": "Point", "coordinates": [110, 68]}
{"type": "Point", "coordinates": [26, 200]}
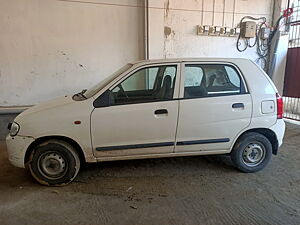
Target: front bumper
{"type": "Point", "coordinates": [16, 148]}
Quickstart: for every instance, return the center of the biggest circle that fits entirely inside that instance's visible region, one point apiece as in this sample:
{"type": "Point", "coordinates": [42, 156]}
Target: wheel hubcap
{"type": "Point", "coordinates": [52, 165]}
{"type": "Point", "coordinates": [253, 154]}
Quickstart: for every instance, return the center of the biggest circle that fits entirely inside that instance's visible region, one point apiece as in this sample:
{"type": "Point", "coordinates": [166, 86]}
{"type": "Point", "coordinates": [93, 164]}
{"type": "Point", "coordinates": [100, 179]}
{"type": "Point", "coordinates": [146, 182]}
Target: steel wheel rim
{"type": "Point", "coordinates": [52, 165]}
{"type": "Point", "coordinates": [253, 154]}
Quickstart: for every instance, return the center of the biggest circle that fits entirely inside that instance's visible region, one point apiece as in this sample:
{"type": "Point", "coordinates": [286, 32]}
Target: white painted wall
{"type": "Point", "coordinates": [43, 43]}
{"type": "Point", "coordinates": [50, 48]}
{"type": "Point", "coordinates": [183, 17]}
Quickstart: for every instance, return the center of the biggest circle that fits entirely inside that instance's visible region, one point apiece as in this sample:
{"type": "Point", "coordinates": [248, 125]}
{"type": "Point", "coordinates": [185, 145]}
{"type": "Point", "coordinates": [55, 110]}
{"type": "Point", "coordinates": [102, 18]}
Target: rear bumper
{"type": "Point", "coordinates": [16, 148]}
{"type": "Point", "coordinates": [279, 129]}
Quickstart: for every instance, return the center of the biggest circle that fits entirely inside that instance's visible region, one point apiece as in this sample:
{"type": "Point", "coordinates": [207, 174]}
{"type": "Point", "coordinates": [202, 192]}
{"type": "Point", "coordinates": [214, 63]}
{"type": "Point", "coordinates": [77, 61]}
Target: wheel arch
{"type": "Point", "coordinates": [68, 140]}
{"type": "Point", "coordinates": [268, 133]}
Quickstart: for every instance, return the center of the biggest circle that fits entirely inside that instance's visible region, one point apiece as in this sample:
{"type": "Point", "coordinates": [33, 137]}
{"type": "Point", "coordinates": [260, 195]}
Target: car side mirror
{"type": "Point", "coordinates": [103, 100]}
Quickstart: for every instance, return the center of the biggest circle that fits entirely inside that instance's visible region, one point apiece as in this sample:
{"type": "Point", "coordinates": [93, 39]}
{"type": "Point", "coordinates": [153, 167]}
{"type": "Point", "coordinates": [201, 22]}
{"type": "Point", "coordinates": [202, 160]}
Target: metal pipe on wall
{"type": "Point", "coordinates": [233, 14]}
{"type": "Point", "coordinates": [146, 12]}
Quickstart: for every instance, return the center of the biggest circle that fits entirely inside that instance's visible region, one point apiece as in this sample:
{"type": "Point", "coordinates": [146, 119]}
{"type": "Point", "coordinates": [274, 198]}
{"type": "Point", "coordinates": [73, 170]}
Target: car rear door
{"type": "Point", "coordinates": [142, 116]}
{"type": "Point", "coordinates": [215, 107]}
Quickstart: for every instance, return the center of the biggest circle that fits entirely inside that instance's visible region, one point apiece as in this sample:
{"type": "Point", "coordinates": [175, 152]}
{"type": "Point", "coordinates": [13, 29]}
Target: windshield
{"type": "Point", "coordinates": [93, 90]}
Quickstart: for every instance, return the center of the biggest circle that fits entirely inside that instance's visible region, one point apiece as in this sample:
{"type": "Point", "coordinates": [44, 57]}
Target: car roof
{"type": "Point", "coordinates": [176, 60]}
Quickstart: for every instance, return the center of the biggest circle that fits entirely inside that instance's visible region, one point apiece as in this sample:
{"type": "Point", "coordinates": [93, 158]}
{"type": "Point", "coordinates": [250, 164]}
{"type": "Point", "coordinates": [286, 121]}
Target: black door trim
{"type": "Point", "coordinates": [123, 147]}
{"type": "Point", "coordinates": [208, 141]}
{"type": "Point", "coordinates": [162, 144]}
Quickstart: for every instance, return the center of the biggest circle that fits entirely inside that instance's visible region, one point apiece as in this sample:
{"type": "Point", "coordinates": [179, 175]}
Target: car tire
{"type": "Point", "coordinates": [54, 163]}
{"type": "Point", "coordinates": [251, 152]}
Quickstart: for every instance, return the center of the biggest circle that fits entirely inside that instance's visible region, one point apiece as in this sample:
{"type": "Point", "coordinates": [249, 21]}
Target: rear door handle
{"type": "Point", "coordinates": [160, 111]}
{"type": "Point", "coordinates": [238, 105]}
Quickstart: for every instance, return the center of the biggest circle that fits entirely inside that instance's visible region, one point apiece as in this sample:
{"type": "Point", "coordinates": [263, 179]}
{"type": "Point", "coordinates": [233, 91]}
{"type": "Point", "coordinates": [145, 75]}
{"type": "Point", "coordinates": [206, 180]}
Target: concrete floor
{"type": "Point", "coordinates": [186, 190]}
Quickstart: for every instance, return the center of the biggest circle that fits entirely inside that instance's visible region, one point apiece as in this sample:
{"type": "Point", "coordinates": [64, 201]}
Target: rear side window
{"type": "Point", "coordinates": [193, 76]}
{"type": "Point", "coordinates": [207, 80]}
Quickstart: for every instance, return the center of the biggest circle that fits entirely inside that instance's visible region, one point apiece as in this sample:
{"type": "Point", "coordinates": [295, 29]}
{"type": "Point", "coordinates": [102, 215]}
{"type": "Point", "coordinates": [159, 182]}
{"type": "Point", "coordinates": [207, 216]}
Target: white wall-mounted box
{"type": "Point", "coordinates": [248, 29]}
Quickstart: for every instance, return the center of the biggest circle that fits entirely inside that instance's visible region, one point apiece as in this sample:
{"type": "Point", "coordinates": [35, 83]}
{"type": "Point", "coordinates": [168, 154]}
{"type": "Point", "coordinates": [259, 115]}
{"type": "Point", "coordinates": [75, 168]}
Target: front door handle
{"type": "Point", "coordinates": [160, 111]}
{"type": "Point", "coordinates": [238, 105]}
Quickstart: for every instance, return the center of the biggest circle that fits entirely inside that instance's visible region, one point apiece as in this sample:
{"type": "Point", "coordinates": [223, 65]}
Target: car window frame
{"type": "Point", "coordinates": [244, 87]}
{"type": "Point", "coordinates": [127, 74]}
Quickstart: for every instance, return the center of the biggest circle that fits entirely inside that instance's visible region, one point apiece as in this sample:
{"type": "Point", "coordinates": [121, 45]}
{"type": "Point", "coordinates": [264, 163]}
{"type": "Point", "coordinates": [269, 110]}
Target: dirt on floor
{"type": "Point", "coordinates": [185, 190]}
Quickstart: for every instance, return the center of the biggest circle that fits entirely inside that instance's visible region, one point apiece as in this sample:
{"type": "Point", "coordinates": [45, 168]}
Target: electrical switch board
{"type": "Point", "coordinates": [204, 30]}
{"type": "Point", "coordinates": [265, 33]}
{"type": "Point", "coordinates": [248, 29]}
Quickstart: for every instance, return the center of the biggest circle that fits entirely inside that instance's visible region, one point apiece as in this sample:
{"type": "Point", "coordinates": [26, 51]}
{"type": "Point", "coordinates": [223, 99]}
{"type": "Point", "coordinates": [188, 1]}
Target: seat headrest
{"type": "Point", "coordinates": [167, 81]}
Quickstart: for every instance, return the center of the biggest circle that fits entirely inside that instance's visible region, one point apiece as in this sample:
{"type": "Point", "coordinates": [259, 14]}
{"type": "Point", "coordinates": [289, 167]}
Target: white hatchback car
{"type": "Point", "coordinates": [151, 109]}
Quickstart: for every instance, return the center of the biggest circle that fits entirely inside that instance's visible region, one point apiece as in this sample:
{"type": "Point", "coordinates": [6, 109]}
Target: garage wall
{"type": "Point", "coordinates": [50, 48]}
{"type": "Point", "coordinates": [175, 36]}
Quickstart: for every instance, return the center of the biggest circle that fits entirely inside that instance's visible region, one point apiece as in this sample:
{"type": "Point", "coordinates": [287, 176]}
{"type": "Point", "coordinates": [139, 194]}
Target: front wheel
{"type": "Point", "coordinates": [54, 163]}
{"type": "Point", "coordinates": [252, 152]}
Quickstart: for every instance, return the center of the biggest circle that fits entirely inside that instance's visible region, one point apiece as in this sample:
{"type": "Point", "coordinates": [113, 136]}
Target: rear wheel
{"type": "Point", "coordinates": [252, 152]}
{"type": "Point", "coordinates": [54, 163]}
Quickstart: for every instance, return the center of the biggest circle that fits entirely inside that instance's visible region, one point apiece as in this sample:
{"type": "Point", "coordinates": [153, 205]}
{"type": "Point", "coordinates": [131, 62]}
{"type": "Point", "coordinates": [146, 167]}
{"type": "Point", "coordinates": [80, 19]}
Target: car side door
{"type": "Point", "coordinates": [141, 116]}
{"type": "Point", "coordinates": [215, 107]}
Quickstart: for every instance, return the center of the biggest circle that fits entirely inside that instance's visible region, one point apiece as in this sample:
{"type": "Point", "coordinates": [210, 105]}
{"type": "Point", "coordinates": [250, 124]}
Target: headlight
{"type": "Point", "coordinates": [14, 129]}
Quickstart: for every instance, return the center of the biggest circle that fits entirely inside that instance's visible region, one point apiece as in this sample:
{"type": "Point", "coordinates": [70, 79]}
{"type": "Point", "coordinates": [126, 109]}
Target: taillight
{"type": "Point", "coordinates": [279, 106]}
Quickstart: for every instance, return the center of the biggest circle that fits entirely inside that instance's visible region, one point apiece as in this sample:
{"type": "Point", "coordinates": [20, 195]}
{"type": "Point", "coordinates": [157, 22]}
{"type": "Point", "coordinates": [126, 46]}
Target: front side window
{"type": "Point", "coordinates": [146, 85]}
{"type": "Point", "coordinates": [93, 90]}
{"type": "Point", "coordinates": [211, 80]}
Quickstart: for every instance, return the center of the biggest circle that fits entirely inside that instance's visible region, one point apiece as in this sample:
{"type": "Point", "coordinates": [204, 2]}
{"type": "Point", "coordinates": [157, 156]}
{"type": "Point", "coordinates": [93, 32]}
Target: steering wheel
{"type": "Point", "coordinates": [122, 90]}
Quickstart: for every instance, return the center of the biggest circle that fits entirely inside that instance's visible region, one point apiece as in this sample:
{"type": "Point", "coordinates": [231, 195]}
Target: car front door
{"type": "Point", "coordinates": [215, 107]}
{"type": "Point", "coordinates": [142, 115]}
